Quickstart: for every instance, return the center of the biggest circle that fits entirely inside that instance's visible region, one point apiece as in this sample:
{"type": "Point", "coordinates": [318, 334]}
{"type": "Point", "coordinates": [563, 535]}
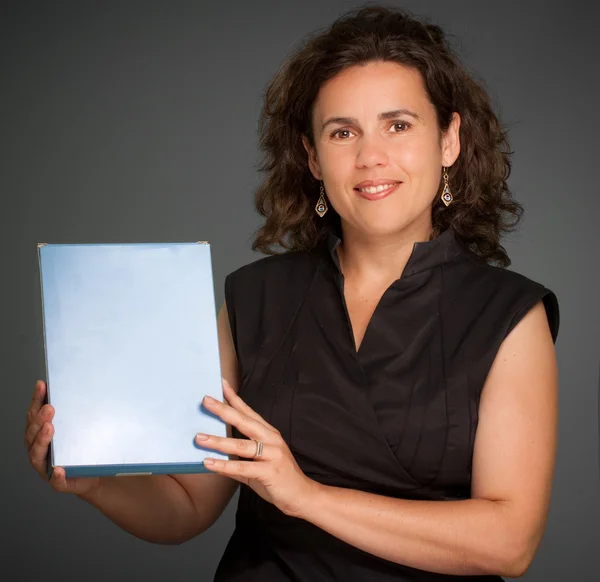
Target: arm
{"type": "Point", "coordinates": [497, 530]}
{"type": "Point", "coordinates": [171, 509]}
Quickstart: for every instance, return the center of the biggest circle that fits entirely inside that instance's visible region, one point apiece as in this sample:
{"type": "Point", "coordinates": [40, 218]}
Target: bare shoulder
{"type": "Point", "coordinates": [515, 445]}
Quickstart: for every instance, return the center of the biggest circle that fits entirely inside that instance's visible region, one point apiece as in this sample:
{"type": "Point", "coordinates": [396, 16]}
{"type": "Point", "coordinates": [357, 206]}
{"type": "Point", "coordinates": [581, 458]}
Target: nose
{"type": "Point", "coordinates": [371, 152]}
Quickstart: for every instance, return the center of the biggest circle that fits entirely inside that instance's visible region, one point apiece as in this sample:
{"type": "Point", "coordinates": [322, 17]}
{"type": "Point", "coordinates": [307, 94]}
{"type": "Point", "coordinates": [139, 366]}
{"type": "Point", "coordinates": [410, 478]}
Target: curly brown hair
{"type": "Point", "coordinates": [483, 208]}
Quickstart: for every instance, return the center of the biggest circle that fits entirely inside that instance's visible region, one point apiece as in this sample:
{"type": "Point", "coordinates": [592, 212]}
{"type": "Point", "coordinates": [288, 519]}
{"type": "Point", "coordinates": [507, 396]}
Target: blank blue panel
{"type": "Point", "coordinates": [131, 349]}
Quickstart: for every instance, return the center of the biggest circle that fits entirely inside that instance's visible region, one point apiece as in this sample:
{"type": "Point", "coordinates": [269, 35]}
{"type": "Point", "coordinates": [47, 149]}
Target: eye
{"type": "Point", "coordinates": [337, 132]}
{"type": "Point", "coordinates": [404, 123]}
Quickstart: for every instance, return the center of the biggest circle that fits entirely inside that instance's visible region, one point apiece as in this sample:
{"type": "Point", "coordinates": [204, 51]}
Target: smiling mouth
{"type": "Point", "coordinates": [376, 189]}
{"type": "Point", "coordinates": [377, 192]}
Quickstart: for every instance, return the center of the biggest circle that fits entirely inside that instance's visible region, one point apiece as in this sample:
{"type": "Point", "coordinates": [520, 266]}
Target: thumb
{"type": "Point", "coordinates": [61, 483]}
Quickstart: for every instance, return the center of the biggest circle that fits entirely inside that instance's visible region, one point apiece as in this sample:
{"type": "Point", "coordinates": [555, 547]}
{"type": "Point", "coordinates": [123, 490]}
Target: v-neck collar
{"type": "Point", "coordinates": [425, 255]}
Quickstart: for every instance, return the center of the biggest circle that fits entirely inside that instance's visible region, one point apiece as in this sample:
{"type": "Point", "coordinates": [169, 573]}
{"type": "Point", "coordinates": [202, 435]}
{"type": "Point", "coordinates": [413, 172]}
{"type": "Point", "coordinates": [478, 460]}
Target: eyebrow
{"type": "Point", "coordinates": [382, 117]}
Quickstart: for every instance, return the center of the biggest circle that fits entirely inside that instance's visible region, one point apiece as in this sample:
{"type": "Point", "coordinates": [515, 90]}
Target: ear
{"type": "Point", "coordinates": [313, 162]}
{"type": "Point", "coordinates": [451, 141]}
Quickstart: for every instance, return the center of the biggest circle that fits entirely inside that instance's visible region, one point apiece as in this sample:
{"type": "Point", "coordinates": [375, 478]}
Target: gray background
{"type": "Point", "coordinates": [136, 121]}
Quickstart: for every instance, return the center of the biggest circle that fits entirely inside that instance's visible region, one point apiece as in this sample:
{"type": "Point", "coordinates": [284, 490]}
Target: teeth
{"type": "Point", "coordinates": [375, 189]}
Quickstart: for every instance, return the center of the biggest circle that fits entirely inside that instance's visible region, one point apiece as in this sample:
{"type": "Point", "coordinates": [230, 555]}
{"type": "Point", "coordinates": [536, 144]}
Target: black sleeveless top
{"type": "Point", "coordinates": [398, 418]}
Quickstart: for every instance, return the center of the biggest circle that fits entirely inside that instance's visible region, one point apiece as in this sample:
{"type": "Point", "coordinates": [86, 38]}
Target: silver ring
{"type": "Point", "coordinates": [259, 449]}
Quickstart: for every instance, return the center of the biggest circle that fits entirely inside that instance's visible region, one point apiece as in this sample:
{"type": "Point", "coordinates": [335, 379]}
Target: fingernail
{"type": "Point", "coordinates": [209, 399]}
{"type": "Point", "coordinates": [201, 437]}
{"type": "Point", "coordinates": [209, 462]}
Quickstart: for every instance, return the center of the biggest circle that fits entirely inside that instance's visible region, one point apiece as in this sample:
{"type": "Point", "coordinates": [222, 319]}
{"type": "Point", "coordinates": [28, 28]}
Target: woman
{"type": "Point", "coordinates": [390, 387]}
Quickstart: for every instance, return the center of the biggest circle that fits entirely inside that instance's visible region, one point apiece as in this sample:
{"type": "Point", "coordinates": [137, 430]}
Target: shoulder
{"type": "Point", "coordinates": [266, 270]}
{"type": "Point", "coordinates": [262, 296]}
{"type": "Point", "coordinates": [273, 263]}
{"type": "Point", "coordinates": [274, 281]}
{"type": "Point", "coordinates": [496, 294]}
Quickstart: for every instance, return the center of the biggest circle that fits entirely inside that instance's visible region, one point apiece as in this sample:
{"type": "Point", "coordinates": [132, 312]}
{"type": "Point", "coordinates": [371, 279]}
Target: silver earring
{"type": "Point", "coordinates": [446, 194]}
{"type": "Point", "coordinates": [321, 207]}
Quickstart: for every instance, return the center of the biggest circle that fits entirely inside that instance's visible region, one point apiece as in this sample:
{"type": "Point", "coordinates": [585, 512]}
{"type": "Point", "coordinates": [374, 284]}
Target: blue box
{"type": "Point", "coordinates": [131, 347]}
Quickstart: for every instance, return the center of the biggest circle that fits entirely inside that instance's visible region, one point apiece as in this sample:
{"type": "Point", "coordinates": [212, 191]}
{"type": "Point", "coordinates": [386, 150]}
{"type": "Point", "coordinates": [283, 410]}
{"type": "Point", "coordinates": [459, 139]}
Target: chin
{"type": "Point", "coordinates": [382, 230]}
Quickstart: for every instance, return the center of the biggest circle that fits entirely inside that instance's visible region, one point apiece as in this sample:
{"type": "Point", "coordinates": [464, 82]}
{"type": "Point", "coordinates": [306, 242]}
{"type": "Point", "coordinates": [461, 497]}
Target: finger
{"type": "Point", "coordinates": [39, 449]}
{"type": "Point", "coordinates": [37, 401]}
{"type": "Point", "coordinates": [45, 415]}
{"type": "Point", "coordinates": [236, 402]}
{"type": "Point", "coordinates": [248, 426]}
{"type": "Point", "coordinates": [239, 470]}
{"type": "Point", "coordinates": [240, 447]}
{"type": "Point", "coordinates": [59, 480]}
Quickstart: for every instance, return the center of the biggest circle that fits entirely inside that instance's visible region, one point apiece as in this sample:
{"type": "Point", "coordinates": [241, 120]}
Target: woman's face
{"type": "Point", "coordinates": [376, 123]}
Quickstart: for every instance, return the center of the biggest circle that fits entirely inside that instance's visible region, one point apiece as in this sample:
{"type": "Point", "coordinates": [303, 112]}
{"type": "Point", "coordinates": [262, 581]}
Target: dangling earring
{"type": "Point", "coordinates": [321, 207]}
{"type": "Point", "coordinates": [446, 194]}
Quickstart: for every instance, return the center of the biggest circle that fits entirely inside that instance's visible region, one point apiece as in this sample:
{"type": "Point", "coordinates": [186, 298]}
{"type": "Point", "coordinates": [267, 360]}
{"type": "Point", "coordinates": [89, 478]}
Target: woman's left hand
{"type": "Point", "coordinates": [275, 475]}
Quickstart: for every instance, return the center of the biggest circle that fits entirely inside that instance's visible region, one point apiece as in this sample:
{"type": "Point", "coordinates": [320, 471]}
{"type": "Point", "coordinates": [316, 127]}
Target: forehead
{"type": "Point", "coordinates": [373, 87]}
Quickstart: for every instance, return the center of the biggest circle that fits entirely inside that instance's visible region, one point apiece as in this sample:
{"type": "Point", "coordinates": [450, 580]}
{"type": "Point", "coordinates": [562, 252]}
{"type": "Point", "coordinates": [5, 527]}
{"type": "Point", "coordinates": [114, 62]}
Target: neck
{"type": "Point", "coordinates": [378, 260]}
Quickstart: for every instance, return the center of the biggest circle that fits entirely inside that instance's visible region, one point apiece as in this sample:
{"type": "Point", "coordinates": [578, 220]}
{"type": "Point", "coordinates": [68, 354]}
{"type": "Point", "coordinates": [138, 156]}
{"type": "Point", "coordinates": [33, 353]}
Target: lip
{"type": "Point", "coordinates": [378, 195]}
{"type": "Point", "coordinates": [379, 182]}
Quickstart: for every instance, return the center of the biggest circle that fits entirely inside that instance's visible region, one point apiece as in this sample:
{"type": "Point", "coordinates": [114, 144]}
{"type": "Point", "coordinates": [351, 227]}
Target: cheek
{"type": "Point", "coordinates": [418, 159]}
{"type": "Point", "coordinates": [336, 164]}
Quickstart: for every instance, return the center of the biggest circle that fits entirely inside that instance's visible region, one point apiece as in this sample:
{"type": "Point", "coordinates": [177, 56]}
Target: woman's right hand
{"type": "Point", "coordinates": [38, 434]}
